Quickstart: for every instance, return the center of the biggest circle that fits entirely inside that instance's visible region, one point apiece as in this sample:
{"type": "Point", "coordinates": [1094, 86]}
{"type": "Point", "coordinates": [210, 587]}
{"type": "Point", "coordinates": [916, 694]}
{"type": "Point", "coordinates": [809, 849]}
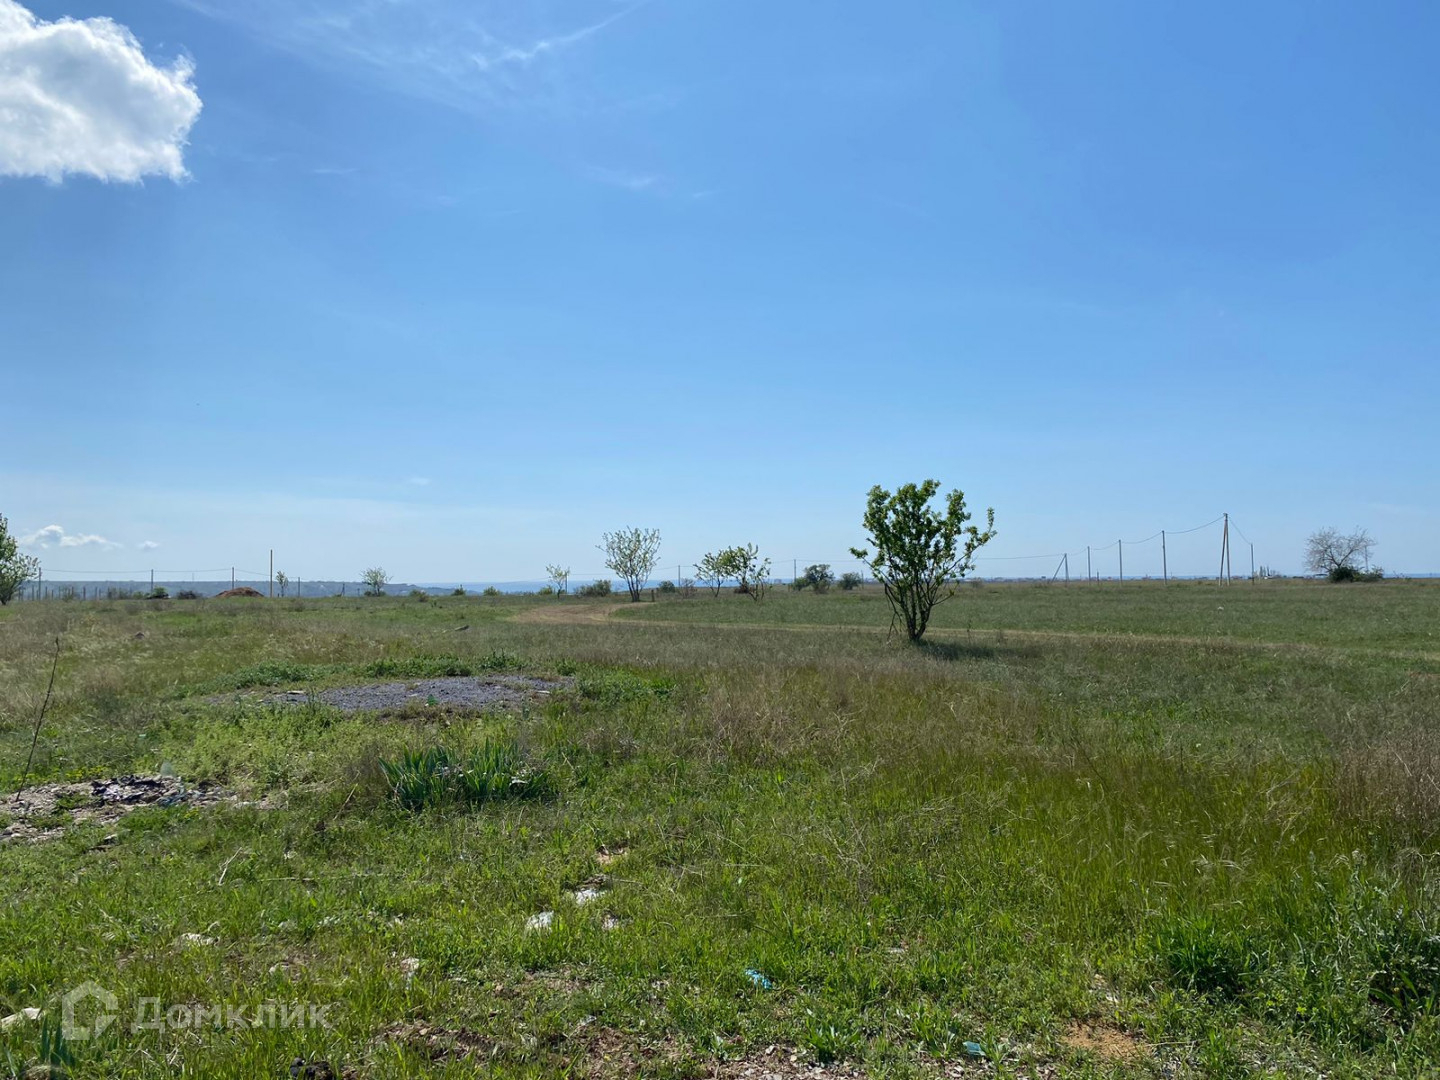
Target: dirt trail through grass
{"type": "Point", "coordinates": [594, 615]}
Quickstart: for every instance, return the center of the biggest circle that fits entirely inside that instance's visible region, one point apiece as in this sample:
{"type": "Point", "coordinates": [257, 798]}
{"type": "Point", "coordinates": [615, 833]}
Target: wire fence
{"type": "Point", "coordinates": [1199, 551]}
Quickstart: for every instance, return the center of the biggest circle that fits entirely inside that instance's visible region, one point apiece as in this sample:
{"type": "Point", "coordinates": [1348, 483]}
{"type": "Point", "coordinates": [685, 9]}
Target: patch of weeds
{"type": "Point", "coordinates": [1207, 957]}
{"type": "Point", "coordinates": [831, 1038]}
{"type": "Point", "coordinates": [272, 673]}
{"type": "Point", "coordinates": [611, 688]}
{"type": "Point", "coordinates": [439, 667]}
{"type": "Point", "coordinates": [1404, 954]}
{"type": "Point", "coordinates": [437, 776]}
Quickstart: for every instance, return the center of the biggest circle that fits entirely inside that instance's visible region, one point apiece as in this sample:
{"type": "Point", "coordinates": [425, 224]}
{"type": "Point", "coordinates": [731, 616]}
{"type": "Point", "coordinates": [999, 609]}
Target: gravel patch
{"type": "Point", "coordinates": [44, 811]}
{"type": "Point", "coordinates": [470, 692]}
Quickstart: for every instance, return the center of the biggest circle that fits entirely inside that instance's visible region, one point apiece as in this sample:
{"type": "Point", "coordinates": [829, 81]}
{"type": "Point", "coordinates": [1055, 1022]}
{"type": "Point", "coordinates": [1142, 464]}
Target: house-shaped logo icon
{"type": "Point", "coordinates": [86, 1011]}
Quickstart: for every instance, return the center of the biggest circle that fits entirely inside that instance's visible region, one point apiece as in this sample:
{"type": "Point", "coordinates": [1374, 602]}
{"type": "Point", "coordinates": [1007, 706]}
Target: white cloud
{"type": "Point", "coordinates": [55, 536]}
{"type": "Point", "coordinates": [79, 96]}
{"type": "Point", "coordinates": [147, 545]}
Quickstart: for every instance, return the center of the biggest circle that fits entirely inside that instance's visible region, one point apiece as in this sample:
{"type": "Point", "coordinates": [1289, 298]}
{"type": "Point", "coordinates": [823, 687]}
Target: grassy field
{"type": "Point", "coordinates": [1092, 831]}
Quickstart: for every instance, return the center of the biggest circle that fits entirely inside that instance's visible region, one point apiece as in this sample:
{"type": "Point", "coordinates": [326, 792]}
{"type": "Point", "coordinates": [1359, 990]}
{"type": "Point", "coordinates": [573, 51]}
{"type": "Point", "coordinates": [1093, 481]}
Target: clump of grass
{"type": "Point", "coordinates": [272, 673]}
{"type": "Point", "coordinates": [612, 688]}
{"type": "Point", "coordinates": [439, 667]}
{"type": "Point", "coordinates": [437, 776]}
{"type": "Point", "coordinates": [1207, 957]}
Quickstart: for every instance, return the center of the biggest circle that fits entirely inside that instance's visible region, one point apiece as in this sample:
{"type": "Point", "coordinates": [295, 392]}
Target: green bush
{"type": "Point", "coordinates": [490, 590]}
{"type": "Point", "coordinates": [851, 580]}
{"type": "Point", "coordinates": [459, 590]}
{"type": "Point", "coordinates": [667, 587]}
{"type": "Point", "coordinates": [597, 588]}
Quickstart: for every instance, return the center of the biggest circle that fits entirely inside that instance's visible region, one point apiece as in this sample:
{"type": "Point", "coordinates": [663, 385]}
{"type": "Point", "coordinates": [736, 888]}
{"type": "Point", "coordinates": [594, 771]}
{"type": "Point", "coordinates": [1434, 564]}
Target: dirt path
{"type": "Point", "coordinates": [594, 615]}
{"type": "Point", "coordinates": [572, 614]}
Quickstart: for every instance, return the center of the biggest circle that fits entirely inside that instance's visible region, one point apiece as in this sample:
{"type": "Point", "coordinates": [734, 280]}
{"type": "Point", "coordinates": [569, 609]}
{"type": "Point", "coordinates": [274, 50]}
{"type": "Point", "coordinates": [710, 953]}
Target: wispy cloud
{"type": "Point", "coordinates": [526, 54]}
{"type": "Point", "coordinates": [630, 181]}
{"type": "Point", "coordinates": [475, 56]}
{"type": "Point", "coordinates": [56, 536]}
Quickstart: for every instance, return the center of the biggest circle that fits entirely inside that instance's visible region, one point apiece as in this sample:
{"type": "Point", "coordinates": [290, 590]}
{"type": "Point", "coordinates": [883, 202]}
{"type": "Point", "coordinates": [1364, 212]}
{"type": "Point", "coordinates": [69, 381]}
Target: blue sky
{"type": "Point", "coordinates": [452, 287]}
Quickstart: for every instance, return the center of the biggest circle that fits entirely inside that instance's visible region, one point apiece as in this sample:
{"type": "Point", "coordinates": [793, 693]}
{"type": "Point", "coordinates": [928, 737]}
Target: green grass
{"type": "Point", "coordinates": [1207, 832]}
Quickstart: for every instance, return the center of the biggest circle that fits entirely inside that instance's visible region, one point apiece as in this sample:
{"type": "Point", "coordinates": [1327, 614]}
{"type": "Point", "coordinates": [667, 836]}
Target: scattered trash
{"type": "Point", "coordinates": [186, 941]}
{"type": "Point", "coordinates": [408, 967]}
{"type": "Point", "coordinates": [8, 1022]}
{"type": "Point", "coordinates": [319, 1069]}
{"type": "Point", "coordinates": [975, 1050]}
{"type": "Point", "coordinates": [540, 921]}
{"type": "Point", "coordinates": [585, 894]}
{"type": "Point", "coordinates": [609, 922]}
{"type": "Point", "coordinates": [432, 700]}
{"type": "Point", "coordinates": [759, 979]}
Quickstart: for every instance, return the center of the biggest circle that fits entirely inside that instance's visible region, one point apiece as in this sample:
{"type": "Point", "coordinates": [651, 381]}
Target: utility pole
{"type": "Point", "coordinates": [232, 577]}
{"type": "Point", "coordinates": [152, 580]}
{"type": "Point", "coordinates": [794, 571]}
{"type": "Point", "coordinates": [1067, 568]}
{"type": "Point", "coordinates": [272, 573]}
{"type": "Point", "coordinates": [1225, 550]}
{"type": "Point", "coordinates": [1121, 545]}
{"type": "Point", "coordinates": [1088, 575]}
{"type": "Point", "coordinates": [1252, 564]}
{"type": "Point", "coordinates": [1164, 558]}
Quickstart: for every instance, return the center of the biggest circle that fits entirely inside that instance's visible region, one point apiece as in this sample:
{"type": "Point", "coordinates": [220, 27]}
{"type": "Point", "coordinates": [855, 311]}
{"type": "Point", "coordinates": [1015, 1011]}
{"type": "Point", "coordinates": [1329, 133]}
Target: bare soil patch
{"type": "Point", "coordinates": [1109, 1044]}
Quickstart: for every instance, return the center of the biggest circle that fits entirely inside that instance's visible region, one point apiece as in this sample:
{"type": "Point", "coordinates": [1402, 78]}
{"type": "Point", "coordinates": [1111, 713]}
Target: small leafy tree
{"type": "Point", "coordinates": [851, 580]}
{"type": "Point", "coordinates": [919, 552]}
{"type": "Point", "coordinates": [714, 569]}
{"type": "Point", "coordinates": [559, 578]}
{"type": "Point", "coordinates": [633, 554]}
{"type": "Point", "coordinates": [281, 580]}
{"type": "Point", "coordinates": [15, 569]}
{"type": "Point", "coordinates": [1339, 556]}
{"type": "Point", "coordinates": [751, 573]}
{"type": "Point", "coordinates": [375, 579]}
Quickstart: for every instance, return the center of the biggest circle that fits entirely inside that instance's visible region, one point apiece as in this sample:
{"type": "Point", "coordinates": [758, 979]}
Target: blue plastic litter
{"type": "Point", "coordinates": [975, 1050]}
{"type": "Point", "coordinates": [759, 979]}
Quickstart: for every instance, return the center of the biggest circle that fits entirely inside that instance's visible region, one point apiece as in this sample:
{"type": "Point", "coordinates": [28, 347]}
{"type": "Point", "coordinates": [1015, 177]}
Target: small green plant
{"type": "Point", "coordinates": [187, 594]}
{"type": "Point", "coordinates": [851, 580]}
{"type": "Point", "coordinates": [419, 594]}
{"type": "Point", "coordinates": [596, 588]}
{"type": "Point", "coordinates": [437, 777]}
{"type": "Point", "coordinates": [459, 590]}
{"type": "Point", "coordinates": [545, 590]}
{"type": "Point", "coordinates": [159, 592]}
{"type": "Point", "coordinates": [667, 587]}
{"type": "Point", "coordinates": [490, 590]}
